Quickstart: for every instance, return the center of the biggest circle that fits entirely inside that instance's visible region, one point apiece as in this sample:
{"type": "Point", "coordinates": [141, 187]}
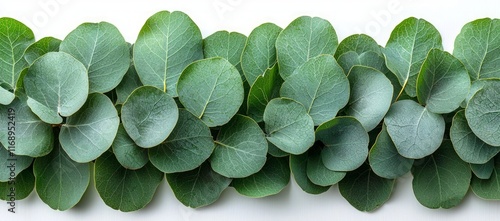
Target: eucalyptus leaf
{"type": "Point", "coordinates": [318, 173]}
{"type": "Point", "coordinates": [274, 151]}
{"type": "Point", "coordinates": [488, 188]}
{"type": "Point", "coordinates": [11, 164]}
{"type": "Point", "coordinates": [320, 85]}
{"type": "Point", "coordinates": [57, 86]}
{"type": "Point", "coordinates": [129, 83]}
{"type": "Point", "coordinates": [123, 189]}
{"type": "Point", "coordinates": [149, 115]}
{"type": "Point", "coordinates": [304, 38]}
{"type": "Point", "coordinates": [6, 97]}
{"type": "Point", "coordinates": [359, 44]}
{"type": "Point", "coordinates": [128, 154]}
{"type": "Point", "coordinates": [23, 186]}
{"type": "Point", "coordinates": [483, 171]}
{"type": "Point", "coordinates": [265, 88]}
{"type": "Point", "coordinates": [41, 47]}
{"type": "Point", "coordinates": [166, 44]}
{"type": "Point", "coordinates": [298, 166]}
{"type": "Point", "coordinates": [369, 59]}
{"type": "Point", "coordinates": [212, 90]}
{"type": "Point", "coordinates": [227, 45]}
{"type": "Point", "coordinates": [199, 187]}
{"type": "Point", "coordinates": [288, 126]}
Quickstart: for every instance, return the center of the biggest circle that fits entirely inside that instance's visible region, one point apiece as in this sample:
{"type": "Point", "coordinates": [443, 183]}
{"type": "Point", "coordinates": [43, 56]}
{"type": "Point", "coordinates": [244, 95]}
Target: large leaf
{"type": "Point", "coordinates": [346, 143]}
{"type": "Point", "coordinates": [212, 90]}
{"type": "Point", "coordinates": [468, 146]}
{"type": "Point", "coordinates": [320, 85]}
{"type": "Point", "coordinates": [149, 115]}
{"type": "Point", "coordinates": [123, 189]}
{"type": "Point", "coordinates": [483, 113]}
{"type": "Point", "coordinates": [265, 88]}
{"type": "Point", "coordinates": [60, 181]}
{"type": "Point", "coordinates": [225, 45]}
{"type": "Point", "coordinates": [90, 132]}
{"type": "Point", "coordinates": [371, 96]}
{"type": "Point", "coordinates": [41, 47]}
{"type": "Point", "coordinates": [364, 190]}
{"type": "Point", "coordinates": [442, 179]}
{"type": "Point", "coordinates": [240, 148]}
{"type": "Point", "coordinates": [415, 131]}
{"type": "Point", "coordinates": [288, 126]}
{"type": "Point", "coordinates": [128, 154]}
{"type": "Point", "coordinates": [199, 187]}
{"type": "Point", "coordinates": [359, 44]}
{"type": "Point", "coordinates": [23, 186]}
{"type": "Point", "coordinates": [407, 48]}
{"type": "Point", "coordinates": [318, 173]}
{"type": "Point", "coordinates": [478, 47]}
{"type": "Point", "coordinates": [272, 179]}
{"type": "Point", "coordinates": [443, 82]}
{"type": "Point", "coordinates": [488, 188]}
{"type": "Point", "coordinates": [304, 38]}
{"type": "Point", "coordinates": [298, 166]}
{"type": "Point", "coordinates": [11, 164]}
{"type": "Point", "coordinates": [166, 44]}
{"type": "Point", "coordinates": [15, 37]}
{"type": "Point", "coordinates": [259, 53]}
{"type": "Point", "coordinates": [57, 85]}
{"type": "Point", "coordinates": [186, 148]}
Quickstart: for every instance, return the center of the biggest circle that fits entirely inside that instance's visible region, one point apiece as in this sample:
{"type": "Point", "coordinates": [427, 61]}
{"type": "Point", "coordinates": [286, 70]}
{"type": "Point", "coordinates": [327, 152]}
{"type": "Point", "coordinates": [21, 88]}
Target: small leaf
{"type": "Point", "coordinates": [364, 190]}
{"type": "Point", "coordinates": [468, 146]}
{"type": "Point", "coordinates": [57, 85]}
{"type": "Point", "coordinates": [488, 188]}
{"type": "Point", "coordinates": [320, 85]}
{"type": "Point", "coordinates": [318, 173]}
{"type": "Point", "coordinates": [199, 187]}
{"type": "Point", "coordinates": [415, 131]}
{"type": "Point", "coordinates": [167, 43]}
{"type": "Point", "coordinates": [240, 148]}
{"type": "Point", "coordinates": [359, 44]}
{"type": "Point", "coordinates": [6, 96]}
{"type": "Point", "coordinates": [186, 148]}
{"type": "Point", "coordinates": [304, 38]}
{"type": "Point", "coordinates": [60, 182]}
{"type": "Point", "coordinates": [298, 166]}
{"type": "Point", "coordinates": [259, 53]}
{"type": "Point", "coordinates": [90, 132]}
{"type": "Point", "coordinates": [23, 184]}
{"type": "Point", "coordinates": [265, 88]}
{"type": "Point", "coordinates": [122, 189]}
{"type": "Point", "coordinates": [128, 154]}
{"type": "Point", "coordinates": [41, 47]}
{"type": "Point", "coordinates": [272, 179]}
{"type": "Point", "coordinates": [443, 82]}
{"type": "Point", "coordinates": [12, 164]}
{"type": "Point", "coordinates": [129, 83]}
{"type": "Point", "coordinates": [225, 45]}
{"type": "Point", "coordinates": [288, 126]}
{"type": "Point", "coordinates": [371, 96]}
{"type": "Point", "coordinates": [275, 151]}
{"type": "Point", "coordinates": [212, 90]}
{"type": "Point", "coordinates": [442, 179]}
{"type": "Point", "coordinates": [407, 48]}
{"type": "Point", "coordinates": [149, 116]}
{"type": "Point", "coordinates": [346, 143]}
{"type": "Point", "coordinates": [483, 171]}
{"type": "Point", "coordinates": [368, 59]}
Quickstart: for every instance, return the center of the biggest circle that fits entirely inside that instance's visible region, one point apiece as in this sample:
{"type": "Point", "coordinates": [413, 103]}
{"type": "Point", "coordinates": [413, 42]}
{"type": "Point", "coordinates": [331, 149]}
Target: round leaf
{"type": "Point", "coordinates": [11, 164]}
{"type": "Point", "coordinates": [128, 154]}
{"type": "Point", "coordinates": [359, 44]}
{"type": "Point", "coordinates": [320, 85]}
{"type": "Point", "coordinates": [212, 90]}
{"type": "Point", "coordinates": [41, 47]}
{"type": "Point", "coordinates": [57, 85]}
{"type": "Point", "coordinates": [24, 185]}
{"type": "Point", "coordinates": [368, 59]}
{"type": "Point", "coordinates": [264, 89]}
{"type": "Point", "coordinates": [225, 45]}
{"type": "Point", "coordinates": [298, 166]}
{"type": "Point", "coordinates": [288, 126]}
{"type": "Point", "coordinates": [149, 115]}
{"type": "Point", "coordinates": [488, 188]}
{"type": "Point", "coordinates": [318, 173]}
{"type": "Point", "coordinates": [483, 171]}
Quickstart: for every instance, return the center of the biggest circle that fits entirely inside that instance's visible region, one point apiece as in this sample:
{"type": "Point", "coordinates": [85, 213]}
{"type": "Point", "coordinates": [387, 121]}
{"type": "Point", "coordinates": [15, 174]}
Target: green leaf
{"type": "Point", "coordinates": [104, 52]}
{"type": "Point", "coordinates": [265, 88]}
{"type": "Point", "coordinates": [443, 82]}
{"type": "Point", "coordinates": [128, 154]}
{"type": "Point", "coordinates": [90, 132]}
{"type": "Point", "coordinates": [225, 45]}
{"type": "Point", "coordinates": [359, 44]}
{"type": "Point", "coordinates": [240, 148]}
{"type": "Point", "coordinates": [318, 173]}
{"type": "Point", "coordinates": [212, 90]}
{"type": "Point", "coordinates": [41, 47]}
{"type": "Point", "coordinates": [442, 179]}
{"type": "Point", "coordinates": [407, 48]}
{"type": "Point", "coordinates": [346, 143]}
{"type": "Point", "coordinates": [468, 146]}
{"type": "Point", "coordinates": [385, 160]}
{"type": "Point", "coordinates": [149, 115]}
{"type": "Point", "coordinates": [23, 186]}
{"type": "Point", "coordinates": [199, 187]}
{"type": "Point", "coordinates": [320, 85]}
{"type": "Point", "coordinates": [415, 131]}
{"type": "Point", "coordinates": [369, 59]}
{"type": "Point", "coordinates": [304, 38]}
{"type": "Point", "coordinates": [483, 171]}
{"type": "Point", "coordinates": [15, 37]}
{"type": "Point", "coordinates": [288, 126]}
{"type": "Point", "coordinates": [166, 44]}
{"type": "Point", "coordinates": [11, 164]}
{"type": "Point", "coordinates": [186, 148]}
{"type": "Point", "coordinates": [57, 85]}
{"type": "Point", "coordinates": [275, 151]}
{"type": "Point", "coordinates": [371, 96]}
{"type": "Point", "coordinates": [123, 189]}
{"type": "Point", "coordinates": [478, 47]}
{"type": "Point", "coordinates": [488, 188]}
{"type": "Point", "coordinates": [259, 53]}
{"type": "Point", "coordinates": [483, 113]}
{"type": "Point", "coordinates": [298, 166]}
{"type": "Point", "coordinates": [474, 88]}
{"type": "Point", "coordinates": [129, 83]}
{"type": "Point", "coordinates": [60, 182]}
{"type": "Point", "coordinates": [364, 190]}
{"type": "Point", "coordinates": [272, 179]}
{"type": "Point", "coordinates": [33, 137]}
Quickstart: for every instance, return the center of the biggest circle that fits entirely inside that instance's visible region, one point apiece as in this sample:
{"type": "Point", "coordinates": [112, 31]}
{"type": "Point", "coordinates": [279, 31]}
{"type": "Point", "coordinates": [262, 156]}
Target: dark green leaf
{"type": "Point", "coordinates": [359, 44]}
{"type": "Point", "coordinates": [23, 186]}
{"type": "Point", "coordinates": [127, 152]}
{"type": "Point", "coordinates": [318, 173]}
{"type": "Point", "coordinates": [129, 83]}
{"type": "Point", "coordinates": [265, 88]}
{"type": "Point", "coordinates": [298, 166]}
{"type": "Point", "coordinates": [41, 47]}
{"type": "Point", "coordinates": [483, 171]}
{"type": "Point", "coordinates": [488, 188]}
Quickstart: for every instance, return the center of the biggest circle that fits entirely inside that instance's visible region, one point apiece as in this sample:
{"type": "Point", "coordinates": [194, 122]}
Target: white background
{"type": "Point", "coordinates": [375, 18]}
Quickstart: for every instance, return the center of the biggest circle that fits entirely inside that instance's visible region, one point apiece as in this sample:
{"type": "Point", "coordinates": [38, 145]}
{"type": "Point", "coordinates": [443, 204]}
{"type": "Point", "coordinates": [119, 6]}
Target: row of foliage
{"type": "Point", "coordinates": [247, 112]}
